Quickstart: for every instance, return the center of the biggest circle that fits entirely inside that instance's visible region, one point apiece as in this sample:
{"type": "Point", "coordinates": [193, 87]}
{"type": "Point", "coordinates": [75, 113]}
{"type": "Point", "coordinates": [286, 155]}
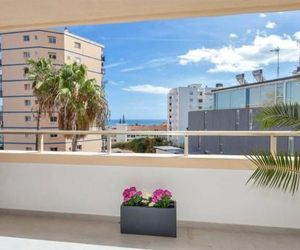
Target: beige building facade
{"type": "Point", "coordinates": [19, 103]}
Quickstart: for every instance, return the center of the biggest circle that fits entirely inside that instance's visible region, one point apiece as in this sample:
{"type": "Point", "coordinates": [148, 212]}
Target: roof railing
{"type": "Point", "coordinates": [273, 135]}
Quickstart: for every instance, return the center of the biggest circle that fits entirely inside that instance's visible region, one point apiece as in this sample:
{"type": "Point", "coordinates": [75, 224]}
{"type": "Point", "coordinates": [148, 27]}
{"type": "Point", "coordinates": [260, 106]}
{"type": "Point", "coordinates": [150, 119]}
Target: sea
{"type": "Point", "coordinates": [113, 122]}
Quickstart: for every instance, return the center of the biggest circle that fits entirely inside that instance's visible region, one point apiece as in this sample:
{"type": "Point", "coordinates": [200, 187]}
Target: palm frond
{"type": "Point", "coordinates": [280, 115]}
{"type": "Point", "coordinates": [279, 171]}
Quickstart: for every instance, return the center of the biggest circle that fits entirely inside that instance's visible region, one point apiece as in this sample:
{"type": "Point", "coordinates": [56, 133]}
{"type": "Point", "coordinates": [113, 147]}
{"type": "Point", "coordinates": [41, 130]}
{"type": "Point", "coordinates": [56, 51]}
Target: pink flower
{"type": "Point", "coordinates": [128, 193]}
{"type": "Point", "coordinates": [158, 194]}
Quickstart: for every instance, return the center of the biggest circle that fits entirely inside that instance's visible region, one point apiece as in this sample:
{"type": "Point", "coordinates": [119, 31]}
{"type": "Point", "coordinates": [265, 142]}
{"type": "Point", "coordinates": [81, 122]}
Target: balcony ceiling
{"type": "Point", "coordinates": [47, 13]}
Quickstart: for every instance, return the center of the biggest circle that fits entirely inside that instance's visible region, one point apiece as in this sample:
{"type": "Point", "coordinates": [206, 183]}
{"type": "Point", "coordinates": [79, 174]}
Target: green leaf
{"type": "Point", "coordinates": [280, 115]}
{"type": "Point", "coordinates": [279, 171]}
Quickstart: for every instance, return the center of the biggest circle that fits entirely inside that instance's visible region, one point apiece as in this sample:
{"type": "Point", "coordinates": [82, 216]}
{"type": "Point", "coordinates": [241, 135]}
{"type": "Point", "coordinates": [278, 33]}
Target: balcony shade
{"type": "Point", "coordinates": [36, 13]}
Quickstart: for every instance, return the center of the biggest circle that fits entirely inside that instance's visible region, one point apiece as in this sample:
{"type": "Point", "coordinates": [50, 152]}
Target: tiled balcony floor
{"type": "Point", "coordinates": [45, 232]}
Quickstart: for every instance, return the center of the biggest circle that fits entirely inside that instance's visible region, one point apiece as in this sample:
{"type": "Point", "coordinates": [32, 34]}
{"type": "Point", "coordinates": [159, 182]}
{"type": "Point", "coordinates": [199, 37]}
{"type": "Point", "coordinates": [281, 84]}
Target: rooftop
{"type": "Point", "coordinates": [295, 76]}
{"type": "Point", "coordinates": [54, 31]}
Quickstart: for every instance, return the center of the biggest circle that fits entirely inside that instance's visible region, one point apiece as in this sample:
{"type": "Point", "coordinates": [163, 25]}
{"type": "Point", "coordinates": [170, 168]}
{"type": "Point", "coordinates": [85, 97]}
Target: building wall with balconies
{"type": "Point", "coordinates": [181, 100]}
{"type": "Point", "coordinates": [19, 103]}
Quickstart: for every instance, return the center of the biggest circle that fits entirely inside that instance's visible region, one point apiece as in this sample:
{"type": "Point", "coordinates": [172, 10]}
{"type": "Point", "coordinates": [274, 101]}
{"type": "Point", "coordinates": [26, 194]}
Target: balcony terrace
{"type": "Point", "coordinates": [71, 200]}
{"type": "Point", "coordinates": [75, 197]}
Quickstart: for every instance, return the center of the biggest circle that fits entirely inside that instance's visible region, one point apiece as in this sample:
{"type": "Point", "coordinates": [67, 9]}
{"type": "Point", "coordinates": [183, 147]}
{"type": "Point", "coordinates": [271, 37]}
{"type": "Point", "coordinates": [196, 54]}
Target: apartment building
{"type": "Point", "coordinates": [235, 109]}
{"type": "Point", "coordinates": [19, 104]}
{"type": "Point", "coordinates": [181, 101]}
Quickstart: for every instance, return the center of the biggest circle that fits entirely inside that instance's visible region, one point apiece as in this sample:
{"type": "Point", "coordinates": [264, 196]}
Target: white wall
{"type": "Point", "coordinates": [219, 196]}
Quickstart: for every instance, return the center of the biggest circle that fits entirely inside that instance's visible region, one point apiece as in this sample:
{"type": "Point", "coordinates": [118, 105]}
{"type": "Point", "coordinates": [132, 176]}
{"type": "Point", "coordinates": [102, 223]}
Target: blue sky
{"type": "Point", "coordinates": [145, 59]}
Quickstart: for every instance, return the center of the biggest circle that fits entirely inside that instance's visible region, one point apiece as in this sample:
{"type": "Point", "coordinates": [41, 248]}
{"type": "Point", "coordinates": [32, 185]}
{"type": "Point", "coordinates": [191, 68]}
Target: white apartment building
{"type": "Point", "coordinates": [181, 101]}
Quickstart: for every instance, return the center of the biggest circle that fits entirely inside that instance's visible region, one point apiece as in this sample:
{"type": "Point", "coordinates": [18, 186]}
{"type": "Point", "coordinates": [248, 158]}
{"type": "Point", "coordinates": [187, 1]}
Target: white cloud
{"type": "Point", "coordinates": [233, 35]}
{"type": "Point", "coordinates": [270, 25]}
{"type": "Point", "coordinates": [148, 88]}
{"type": "Point", "coordinates": [113, 65]}
{"type": "Point", "coordinates": [249, 31]}
{"type": "Point", "coordinates": [262, 15]}
{"type": "Point", "coordinates": [132, 69]}
{"type": "Point", "coordinates": [297, 35]}
{"type": "Point", "coordinates": [245, 57]}
{"type": "Point", "coordinates": [153, 63]}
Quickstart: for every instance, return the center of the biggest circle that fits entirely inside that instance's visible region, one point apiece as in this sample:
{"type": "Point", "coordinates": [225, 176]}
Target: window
{"type": "Point", "coordinates": [238, 99]}
{"type": "Point", "coordinates": [28, 148]}
{"type": "Point", "coordinates": [26, 38]}
{"type": "Point", "coordinates": [223, 100]}
{"type": "Point", "coordinates": [53, 135]}
{"type": "Point", "coordinates": [200, 100]}
{"type": "Point", "coordinates": [293, 91]}
{"type": "Point", "coordinates": [279, 93]}
{"type": "Point", "coordinates": [254, 100]}
{"type": "Point", "coordinates": [27, 118]}
{"type": "Point", "coordinates": [53, 149]}
{"type": "Point", "coordinates": [26, 54]}
{"type": "Point", "coordinates": [27, 86]}
{"type": "Point", "coordinates": [79, 147]}
{"type": "Point", "coordinates": [52, 55]}
{"type": "Point", "coordinates": [25, 71]}
{"type": "Point", "coordinates": [267, 95]}
{"type": "Point", "coordinates": [35, 37]}
{"type": "Point", "coordinates": [77, 45]}
{"type": "Point", "coordinates": [191, 99]}
{"type": "Point", "coordinates": [53, 119]}
{"type": "Point", "coordinates": [27, 102]}
{"type": "Point", "coordinates": [191, 92]}
{"type": "Point", "coordinates": [52, 39]}
{"type": "Point", "coordinates": [200, 93]}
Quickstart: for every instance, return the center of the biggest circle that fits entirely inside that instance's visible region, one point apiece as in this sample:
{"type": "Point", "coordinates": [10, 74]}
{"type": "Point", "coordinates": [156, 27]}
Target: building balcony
{"type": "Point", "coordinates": [72, 199]}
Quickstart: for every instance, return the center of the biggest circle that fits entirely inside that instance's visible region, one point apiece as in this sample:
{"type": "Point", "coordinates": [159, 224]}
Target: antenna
{"type": "Point", "coordinates": [277, 51]}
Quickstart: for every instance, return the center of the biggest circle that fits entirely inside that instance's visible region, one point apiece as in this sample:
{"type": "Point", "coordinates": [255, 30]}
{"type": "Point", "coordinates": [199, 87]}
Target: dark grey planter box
{"type": "Point", "coordinates": [149, 221]}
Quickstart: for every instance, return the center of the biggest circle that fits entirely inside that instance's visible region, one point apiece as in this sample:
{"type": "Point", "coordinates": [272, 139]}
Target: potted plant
{"type": "Point", "coordinates": [148, 214]}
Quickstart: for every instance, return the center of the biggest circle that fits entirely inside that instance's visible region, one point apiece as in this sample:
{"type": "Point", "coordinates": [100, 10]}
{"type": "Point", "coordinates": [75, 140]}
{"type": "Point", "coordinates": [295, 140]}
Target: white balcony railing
{"type": "Point", "coordinates": [273, 135]}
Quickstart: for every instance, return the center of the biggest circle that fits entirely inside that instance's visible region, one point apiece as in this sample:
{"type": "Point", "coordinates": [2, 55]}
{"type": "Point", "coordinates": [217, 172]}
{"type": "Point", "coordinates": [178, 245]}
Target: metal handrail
{"type": "Point", "coordinates": [109, 133]}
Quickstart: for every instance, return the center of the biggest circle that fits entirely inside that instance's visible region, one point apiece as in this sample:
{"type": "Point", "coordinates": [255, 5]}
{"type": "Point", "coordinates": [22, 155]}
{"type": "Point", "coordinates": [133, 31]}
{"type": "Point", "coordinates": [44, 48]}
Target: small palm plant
{"type": "Point", "coordinates": [282, 170]}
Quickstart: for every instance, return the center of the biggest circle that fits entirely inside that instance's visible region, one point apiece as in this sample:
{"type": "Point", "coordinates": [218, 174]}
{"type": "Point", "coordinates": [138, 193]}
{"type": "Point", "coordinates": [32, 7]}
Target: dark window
{"type": "Point", "coordinates": [27, 118]}
{"type": "Point", "coordinates": [26, 54]}
{"type": "Point", "coordinates": [52, 55]}
{"type": "Point", "coordinates": [53, 119]}
{"type": "Point", "coordinates": [27, 102]}
{"type": "Point", "coordinates": [26, 71]}
{"type": "Point", "coordinates": [77, 45]}
{"type": "Point", "coordinates": [52, 39]}
{"type": "Point", "coordinates": [26, 38]}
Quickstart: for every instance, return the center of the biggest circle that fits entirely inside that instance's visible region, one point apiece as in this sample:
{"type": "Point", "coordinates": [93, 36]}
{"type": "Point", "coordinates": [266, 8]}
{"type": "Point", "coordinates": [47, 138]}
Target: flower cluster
{"type": "Point", "coordinates": [161, 198]}
{"type": "Point", "coordinates": [132, 197]}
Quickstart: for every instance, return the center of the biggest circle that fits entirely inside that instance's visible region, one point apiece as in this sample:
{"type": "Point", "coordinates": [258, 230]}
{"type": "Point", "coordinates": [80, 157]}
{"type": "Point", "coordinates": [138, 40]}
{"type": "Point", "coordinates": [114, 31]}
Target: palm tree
{"type": "Point", "coordinates": [43, 76]}
{"type": "Point", "coordinates": [80, 102]}
{"type": "Point", "coordinates": [280, 170]}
